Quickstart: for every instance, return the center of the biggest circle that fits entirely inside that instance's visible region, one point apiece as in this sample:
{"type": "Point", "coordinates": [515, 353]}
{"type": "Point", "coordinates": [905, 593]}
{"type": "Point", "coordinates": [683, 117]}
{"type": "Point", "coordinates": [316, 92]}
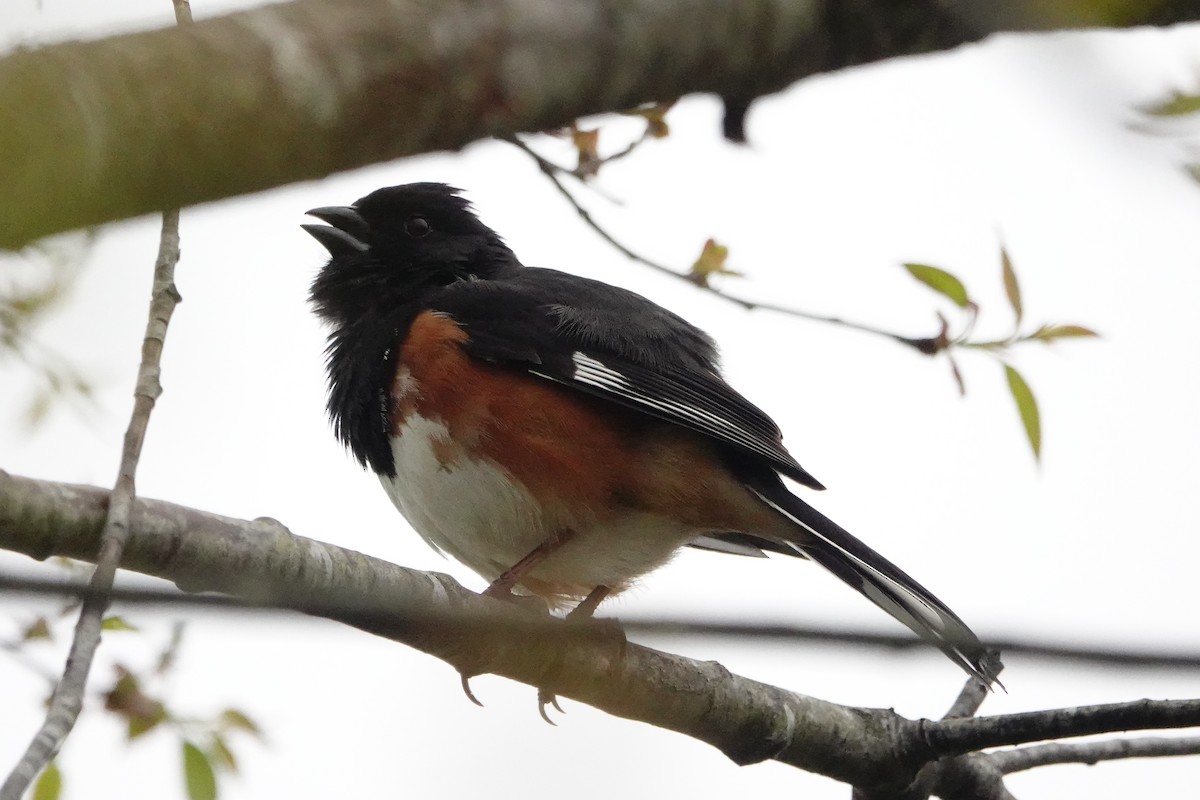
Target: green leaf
{"type": "Point", "coordinates": [236, 720]}
{"type": "Point", "coordinates": [1178, 104]}
{"type": "Point", "coordinates": [1011, 287]}
{"type": "Point", "coordinates": [198, 774]}
{"type": "Point", "coordinates": [49, 784]}
{"type": "Point", "coordinates": [116, 624]}
{"type": "Point", "coordinates": [145, 718]}
{"type": "Point", "coordinates": [220, 754]}
{"type": "Point", "coordinates": [38, 629]}
{"type": "Point", "coordinates": [1048, 333]}
{"type": "Point", "coordinates": [655, 116]}
{"type": "Point", "coordinates": [1027, 407]}
{"type": "Point", "coordinates": [711, 262]}
{"type": "Point", "coordinates": [127, 700]}
{"type": "Point", "coordinates": [941, 282]}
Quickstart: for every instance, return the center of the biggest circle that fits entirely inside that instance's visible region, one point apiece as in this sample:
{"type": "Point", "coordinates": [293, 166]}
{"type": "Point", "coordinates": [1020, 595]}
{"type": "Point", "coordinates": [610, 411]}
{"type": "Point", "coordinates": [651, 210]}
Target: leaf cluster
{"type": "Point", "coordinates": [31, 289]}
{"type": "Point", "coordinates": [951, 287]}
{"type": "Point", "coordinates": [138, 700]}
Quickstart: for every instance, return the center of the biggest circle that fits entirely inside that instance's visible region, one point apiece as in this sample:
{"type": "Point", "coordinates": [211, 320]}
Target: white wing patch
{"type": "Point", "coordinates": [591, 372]}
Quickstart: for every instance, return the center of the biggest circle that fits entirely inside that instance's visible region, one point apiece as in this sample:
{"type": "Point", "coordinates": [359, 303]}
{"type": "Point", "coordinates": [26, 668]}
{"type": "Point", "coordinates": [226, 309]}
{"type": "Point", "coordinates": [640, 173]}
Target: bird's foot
{"type": "Point", "coordinates": [581, 613]}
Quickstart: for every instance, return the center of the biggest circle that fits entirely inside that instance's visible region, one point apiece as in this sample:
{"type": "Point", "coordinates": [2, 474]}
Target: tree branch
{"type": "Point", "coordinates": [108, 129]}
{"type": "Point", "coordinates": [552, 172]}
{"type": "Point", "coordinates": [748, 721]}
{"type": "Point", "coordinates": [954, 736]}
{"type": "Point", "coordinates": [67, 700]}
{"type": "Point", "coordinates": [263, 562]}
{"type": "Point", "coordinates": [1023, 758]}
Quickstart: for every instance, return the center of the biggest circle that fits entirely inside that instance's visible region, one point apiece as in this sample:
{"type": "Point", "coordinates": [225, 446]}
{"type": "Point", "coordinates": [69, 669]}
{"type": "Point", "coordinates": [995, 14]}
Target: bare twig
{"type": "Point", "coordinates": [1023, 758]}
{"type": "Point", "coordinates": [956, 736]}
{"type": "Point", "coordinates": [552, 171]}
{"type": "Point", "coordinates": [622, 153]}
{"type": "Point", "coordinates": [979, 776]}
{"type": "Point", "coordinates": [67, 699]}
{"type": "Point", "coordinates": [183, 12]}
{"type": "Point", "coordinates": [973, 693]}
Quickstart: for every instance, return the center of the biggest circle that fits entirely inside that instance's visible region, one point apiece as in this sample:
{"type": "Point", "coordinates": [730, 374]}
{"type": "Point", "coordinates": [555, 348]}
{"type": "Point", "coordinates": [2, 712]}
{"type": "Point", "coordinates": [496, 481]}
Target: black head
{"type": "Point", "coordinates": [387, 252]}
{"type": "Point", "coordinates": [390, 247]}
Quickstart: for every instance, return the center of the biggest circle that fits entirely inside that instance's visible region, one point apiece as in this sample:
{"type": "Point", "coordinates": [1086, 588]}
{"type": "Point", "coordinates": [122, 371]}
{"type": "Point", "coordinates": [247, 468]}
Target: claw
{"type": "Point", "coordinates": [580, 614]}
{"type": "Point", "coordinates": [466, 687]}
{"type": "Point", "coordinates": [546, 698]}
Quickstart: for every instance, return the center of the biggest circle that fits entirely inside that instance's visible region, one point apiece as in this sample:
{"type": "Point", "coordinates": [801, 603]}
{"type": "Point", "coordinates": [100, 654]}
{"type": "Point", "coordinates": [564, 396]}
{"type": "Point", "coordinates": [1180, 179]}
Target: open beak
{"type": "Point", "coordinates": [346, 235]}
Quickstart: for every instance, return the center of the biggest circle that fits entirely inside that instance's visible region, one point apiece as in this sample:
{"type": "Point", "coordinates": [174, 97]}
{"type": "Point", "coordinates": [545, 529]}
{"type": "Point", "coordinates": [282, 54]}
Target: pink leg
{"type": "Point", "coordinates": [502, 587]}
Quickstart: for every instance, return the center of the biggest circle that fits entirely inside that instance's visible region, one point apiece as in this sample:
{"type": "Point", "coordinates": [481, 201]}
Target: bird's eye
{"type": "Point", "coordinates": [417, 226]}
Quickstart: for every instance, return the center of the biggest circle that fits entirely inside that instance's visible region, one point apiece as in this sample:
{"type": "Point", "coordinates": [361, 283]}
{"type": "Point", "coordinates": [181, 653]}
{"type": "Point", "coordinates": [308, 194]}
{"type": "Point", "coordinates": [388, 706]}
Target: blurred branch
{"type": "Point", "coordinates": [648, 626]}
{"type": "Point", "coordinates": [139, 122]}
{"type": "Point", "coordinates": [67, 700]}
{"type": "Point", "coordinates": [263, 562]}
{"type": "Point", "coordinates": [1119, 657]}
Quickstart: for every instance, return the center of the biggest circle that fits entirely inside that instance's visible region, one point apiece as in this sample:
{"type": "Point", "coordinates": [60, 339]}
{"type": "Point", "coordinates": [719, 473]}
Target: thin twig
{"type": "Point", "coordinates": [183, 12]}
{"type": "Point", "coordinates": [665, 627]}
{"type": "Point", "coordinates": [1023, 758]}
{"type": "Point", "coordinates": [957, 736]}
{"type": "Point", "coordinates": [67, 699]}
{"type": "Point", "coordinates": [552, 172]}
{"type": "Point", "coordinates": [973, 693]}
{"type": "Point", "coordinates": [617, 156]}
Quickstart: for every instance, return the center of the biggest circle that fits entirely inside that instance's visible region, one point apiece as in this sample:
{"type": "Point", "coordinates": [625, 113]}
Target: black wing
{"type": "Point", "coordinates": [617, 345]}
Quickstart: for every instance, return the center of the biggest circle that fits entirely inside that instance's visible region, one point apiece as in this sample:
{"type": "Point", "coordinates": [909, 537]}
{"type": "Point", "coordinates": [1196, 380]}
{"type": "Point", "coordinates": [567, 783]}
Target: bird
{"type": "Point", "coordinates": [560, 436]}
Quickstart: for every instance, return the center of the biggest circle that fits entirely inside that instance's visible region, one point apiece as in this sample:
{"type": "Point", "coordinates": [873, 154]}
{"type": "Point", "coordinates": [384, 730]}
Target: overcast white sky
{"type": "Point", "coordinates": [931, 159]}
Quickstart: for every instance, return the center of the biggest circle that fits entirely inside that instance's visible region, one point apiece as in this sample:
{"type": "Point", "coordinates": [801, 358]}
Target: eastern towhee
{"type": "Point", "coordinates": [558, 435]}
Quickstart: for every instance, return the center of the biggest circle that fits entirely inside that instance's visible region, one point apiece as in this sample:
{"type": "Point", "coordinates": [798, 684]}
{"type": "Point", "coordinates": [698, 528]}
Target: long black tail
{"type": "Point", "coordinates": [881, 582]}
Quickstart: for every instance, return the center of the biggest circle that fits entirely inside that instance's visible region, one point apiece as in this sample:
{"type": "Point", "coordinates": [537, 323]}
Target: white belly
{"type": "Point", "coordinates": [473, 510]}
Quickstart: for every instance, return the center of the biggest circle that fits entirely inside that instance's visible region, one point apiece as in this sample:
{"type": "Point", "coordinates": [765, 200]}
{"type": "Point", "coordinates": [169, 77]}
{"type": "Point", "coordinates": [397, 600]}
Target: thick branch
{"type": "Point", "coordinates": [96, 131]}
{"type": "Point", "coordinates": [263, 562]}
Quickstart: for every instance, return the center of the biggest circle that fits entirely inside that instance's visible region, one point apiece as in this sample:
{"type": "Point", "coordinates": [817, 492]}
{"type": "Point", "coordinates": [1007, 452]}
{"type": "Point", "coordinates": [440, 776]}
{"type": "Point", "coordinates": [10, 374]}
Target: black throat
{"type": "Point", "coordinates": [361, 361]}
